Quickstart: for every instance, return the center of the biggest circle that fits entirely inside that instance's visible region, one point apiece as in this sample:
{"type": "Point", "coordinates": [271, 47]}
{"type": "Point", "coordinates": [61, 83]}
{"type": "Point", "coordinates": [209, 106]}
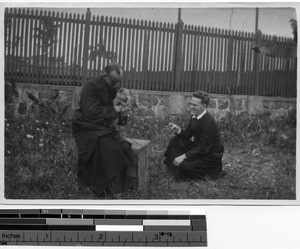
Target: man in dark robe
{"type": "Point", "coordinates": [103, 155]}
{"type": "Point", "coordinates": [196, 151]}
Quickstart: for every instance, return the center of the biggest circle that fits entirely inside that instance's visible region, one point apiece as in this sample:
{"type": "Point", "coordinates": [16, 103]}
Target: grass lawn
{"type": "Point", "coordinates": [259, 159]}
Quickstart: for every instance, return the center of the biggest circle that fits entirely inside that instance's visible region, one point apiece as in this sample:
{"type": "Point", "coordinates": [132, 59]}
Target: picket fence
{"type": "Point", "coordinates": [45, 47]}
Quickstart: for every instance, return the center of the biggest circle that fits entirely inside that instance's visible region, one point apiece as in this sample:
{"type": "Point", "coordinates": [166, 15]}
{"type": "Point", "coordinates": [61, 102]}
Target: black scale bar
{"type": "Point", "coordinates": [38, 227]}
{"type": "Point", "coordinates": [73, 216]}
{"type": "Point", "coordinates": [49, 216]}
{"type": "Point", "coordinates": [47, 227]}
{"type": "Point", "coordinates": [9, 215]}
{"type": "Point", "coordinates": [40, 224]}
{"type": "Point", "coordinates": [28, 213]}
{"type": "Point", "coordinates": [22, 221]}
{"type": "Point", "coordinates": [93, 216]}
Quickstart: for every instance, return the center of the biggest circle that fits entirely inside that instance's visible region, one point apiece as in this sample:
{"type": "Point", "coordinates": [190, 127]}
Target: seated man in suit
{"type": "Point", "coordinates": [197, 150]}
{"type": "Point", "coordinates": [103, 154]}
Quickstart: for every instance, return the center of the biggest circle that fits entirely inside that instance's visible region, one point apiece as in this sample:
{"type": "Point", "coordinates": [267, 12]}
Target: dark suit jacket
{"type": "Point", "coordinates": [96, 105]}
{"type": "Point", "coordinates": [92, 119]}
{"type": "Point", "coordinates": [207, 140]}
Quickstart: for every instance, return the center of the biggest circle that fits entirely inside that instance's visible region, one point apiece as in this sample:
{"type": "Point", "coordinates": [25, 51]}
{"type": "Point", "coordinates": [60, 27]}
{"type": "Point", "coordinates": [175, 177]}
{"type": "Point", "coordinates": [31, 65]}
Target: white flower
{"type": "Point", "coordinates": [41, 145]}
{"type": "Point", "coordinates": [41, 140]}
{"type": "Point", "coordinates": [29, 136]}
{"type": "Point", "coordinates": [7, 124]}
{"type": "Point", "coordinates": [47, 123]}
{"type": "Point", "coordinates": [37, 129]}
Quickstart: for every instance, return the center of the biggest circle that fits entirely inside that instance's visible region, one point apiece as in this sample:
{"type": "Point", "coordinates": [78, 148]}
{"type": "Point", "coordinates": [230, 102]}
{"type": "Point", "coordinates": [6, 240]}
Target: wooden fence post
{"type": "Point", "coordinates": [178, 53]}
{"type": "Point", "coordinates": [229, 79]}
{"type": "Point", "coordinates": [77, 90]}
{"type": "Point", "coordinates": [258, 36]}
{"type": "Point", "coordinates": [86, 47]}
{"type": "Point", "coordinates": [145, 52]}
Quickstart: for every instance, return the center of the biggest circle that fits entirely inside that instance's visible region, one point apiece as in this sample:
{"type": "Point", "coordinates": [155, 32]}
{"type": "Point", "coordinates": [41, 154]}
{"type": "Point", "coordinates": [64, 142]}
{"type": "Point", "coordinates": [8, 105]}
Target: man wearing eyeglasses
{"type": "Point", "coordinates": [197, 150]}
{"type": "Point", "coordinates": [103, 154]}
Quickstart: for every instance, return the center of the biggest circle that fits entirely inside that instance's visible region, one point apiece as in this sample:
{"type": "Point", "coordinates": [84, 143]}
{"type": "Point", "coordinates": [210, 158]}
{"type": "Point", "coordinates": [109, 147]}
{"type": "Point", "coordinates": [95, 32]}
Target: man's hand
{"type": "Point", "coordinates": [178, 160]}
{"type": "Point", "coordinates": [176, 129]}
{"type": "Point", "coordinates": [117, 108]}
{"type": "Point", "coordinates": [125, 110]}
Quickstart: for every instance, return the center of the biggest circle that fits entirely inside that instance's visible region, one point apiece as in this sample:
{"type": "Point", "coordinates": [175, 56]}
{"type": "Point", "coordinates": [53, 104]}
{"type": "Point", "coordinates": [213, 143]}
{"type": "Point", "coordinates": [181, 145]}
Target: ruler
{"type": "Point", "coordinates": [74, 227]}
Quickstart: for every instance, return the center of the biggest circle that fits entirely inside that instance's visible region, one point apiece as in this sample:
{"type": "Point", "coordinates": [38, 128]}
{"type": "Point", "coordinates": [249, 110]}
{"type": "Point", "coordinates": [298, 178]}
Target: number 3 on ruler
{"type": "Point", "coordinates": [46, 237]}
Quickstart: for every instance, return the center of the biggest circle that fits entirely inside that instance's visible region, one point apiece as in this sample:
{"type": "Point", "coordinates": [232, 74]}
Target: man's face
{"type": "Point", "coordinates": [196, 106]}
{"type": "Point", "coordinates": [113, 78]}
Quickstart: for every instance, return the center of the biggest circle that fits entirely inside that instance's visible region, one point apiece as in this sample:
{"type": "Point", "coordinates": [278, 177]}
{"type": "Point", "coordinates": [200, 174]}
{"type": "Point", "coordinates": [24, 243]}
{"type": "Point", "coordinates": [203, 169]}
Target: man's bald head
{"type": "Point", "coordinates": [114, 67]}
{"type": "Point", "coordinates": [114, 74]}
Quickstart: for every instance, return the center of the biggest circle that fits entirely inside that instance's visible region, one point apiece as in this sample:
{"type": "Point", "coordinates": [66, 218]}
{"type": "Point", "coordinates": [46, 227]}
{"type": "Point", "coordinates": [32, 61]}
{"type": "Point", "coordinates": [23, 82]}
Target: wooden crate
{"type": "Point", "coordinates": [142, 150]}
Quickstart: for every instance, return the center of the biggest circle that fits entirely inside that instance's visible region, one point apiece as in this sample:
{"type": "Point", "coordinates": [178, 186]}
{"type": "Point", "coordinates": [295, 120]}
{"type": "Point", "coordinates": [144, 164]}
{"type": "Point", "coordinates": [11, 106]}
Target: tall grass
{"type": "Point", "coordinates": [41, 158]}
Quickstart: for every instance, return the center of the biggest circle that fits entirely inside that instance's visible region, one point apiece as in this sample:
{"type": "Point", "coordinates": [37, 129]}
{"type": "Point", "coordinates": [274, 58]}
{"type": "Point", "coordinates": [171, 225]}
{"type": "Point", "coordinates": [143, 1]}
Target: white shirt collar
{"type": "Point", "coordinates": [201, 115]}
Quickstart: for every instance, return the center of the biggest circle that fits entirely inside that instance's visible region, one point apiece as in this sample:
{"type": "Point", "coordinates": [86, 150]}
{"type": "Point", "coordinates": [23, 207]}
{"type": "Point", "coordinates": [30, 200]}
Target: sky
{"type": "Point", "coordinates": [272, 20]}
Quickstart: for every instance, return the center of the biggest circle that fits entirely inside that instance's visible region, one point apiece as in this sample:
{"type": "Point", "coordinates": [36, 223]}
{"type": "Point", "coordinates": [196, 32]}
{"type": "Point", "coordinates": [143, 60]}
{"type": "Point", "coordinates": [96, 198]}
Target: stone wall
{"type": "Point", "coordinates": [220, 104]}
{"type": "Point", "coordinates": [154, 103]}
{"type": "Point", "coordinates": [30, 99]}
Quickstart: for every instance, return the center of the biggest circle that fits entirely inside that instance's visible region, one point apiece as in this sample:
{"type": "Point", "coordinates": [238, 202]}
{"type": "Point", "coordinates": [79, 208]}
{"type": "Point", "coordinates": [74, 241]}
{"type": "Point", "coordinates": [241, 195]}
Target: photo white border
{"type": "Point", "coordinates": [139, 4]}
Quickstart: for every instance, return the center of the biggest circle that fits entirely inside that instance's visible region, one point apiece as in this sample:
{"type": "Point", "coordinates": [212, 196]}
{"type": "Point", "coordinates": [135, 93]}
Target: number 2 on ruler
{"type": "Point", "coordinates": [100, 236]}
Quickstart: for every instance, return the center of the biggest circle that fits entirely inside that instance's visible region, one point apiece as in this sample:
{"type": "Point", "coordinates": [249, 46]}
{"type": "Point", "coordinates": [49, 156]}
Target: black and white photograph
{"type": "Point", "coordinates": [150, 102]}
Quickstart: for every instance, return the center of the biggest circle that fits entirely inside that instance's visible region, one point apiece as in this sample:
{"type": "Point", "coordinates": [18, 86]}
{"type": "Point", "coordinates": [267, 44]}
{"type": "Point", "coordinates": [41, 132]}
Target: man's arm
{"type": "Point", "coordinates": [91, 105]}
{"type": "Point", "coordinates": [187, 131]}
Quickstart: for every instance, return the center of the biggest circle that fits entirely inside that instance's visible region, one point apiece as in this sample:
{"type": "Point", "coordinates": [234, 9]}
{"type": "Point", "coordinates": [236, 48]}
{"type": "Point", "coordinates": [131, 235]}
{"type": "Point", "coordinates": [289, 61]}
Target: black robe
{"type": "Point", "coordinates": [200, 141]}
{"type": "Point", "coordinates": [103, 154]}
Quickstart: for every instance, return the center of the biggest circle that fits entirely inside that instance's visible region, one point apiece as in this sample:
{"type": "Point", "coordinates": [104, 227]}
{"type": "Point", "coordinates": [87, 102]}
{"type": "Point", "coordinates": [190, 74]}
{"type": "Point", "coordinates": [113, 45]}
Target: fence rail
{"type": "Point", "coordinates": [45, 47]}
